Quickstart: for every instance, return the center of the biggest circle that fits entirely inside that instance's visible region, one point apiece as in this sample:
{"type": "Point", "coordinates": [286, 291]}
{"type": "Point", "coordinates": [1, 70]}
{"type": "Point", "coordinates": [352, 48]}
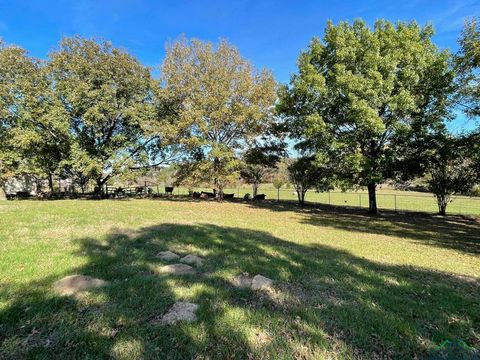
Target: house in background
{"type": "Point", "coordinates": [26, 184]}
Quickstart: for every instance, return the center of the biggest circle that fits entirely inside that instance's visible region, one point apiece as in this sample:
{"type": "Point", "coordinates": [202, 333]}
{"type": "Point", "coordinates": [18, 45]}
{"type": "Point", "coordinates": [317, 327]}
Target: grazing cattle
{"type": "Point", "coordinates": [259, 197]}
{"type": "Point", "coordinates": [208, 194]}
{"type": "Point", "coordinates": [169, 189]}
{"type": "Point", "coordinates": [204, 196]}
{"type": "Point", "coordinates": [196, 195]}
{"type": "Point", "coordinates": [228, 196]}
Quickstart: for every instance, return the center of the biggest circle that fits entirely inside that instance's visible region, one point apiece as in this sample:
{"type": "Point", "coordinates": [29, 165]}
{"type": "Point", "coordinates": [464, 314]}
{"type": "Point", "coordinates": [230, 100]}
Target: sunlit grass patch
{"type": "Point", "coordinates": [346, 285]}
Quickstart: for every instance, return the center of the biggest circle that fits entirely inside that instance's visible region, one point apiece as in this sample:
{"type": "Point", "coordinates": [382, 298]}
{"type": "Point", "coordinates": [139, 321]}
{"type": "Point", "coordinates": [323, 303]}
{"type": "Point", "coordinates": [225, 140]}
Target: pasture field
{"type": "Point", "coordinates": [387, 199]}
{"type": "Point", "coordinates": [346, 285]}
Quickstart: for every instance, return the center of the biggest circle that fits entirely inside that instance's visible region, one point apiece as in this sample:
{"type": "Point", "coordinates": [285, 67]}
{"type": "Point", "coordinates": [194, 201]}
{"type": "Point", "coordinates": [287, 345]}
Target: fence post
{"type": "Point", "coordinates": [395, 196]}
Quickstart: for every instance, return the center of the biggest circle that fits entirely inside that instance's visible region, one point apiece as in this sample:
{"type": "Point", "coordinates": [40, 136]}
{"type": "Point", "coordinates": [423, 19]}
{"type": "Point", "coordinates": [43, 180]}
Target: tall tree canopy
{"type": "Point", "coordinates": [33, 127]}
{"type": "Point", "coordinates": [468, 66]}
{"type": "Point", "coordinates": [361, 92]}
{"type": "Point", "coordinates": [108, 96]}
{"type": "Point", "coordinates": [15, 67]}
{"type": "Point", "coordinates": [221, 103]}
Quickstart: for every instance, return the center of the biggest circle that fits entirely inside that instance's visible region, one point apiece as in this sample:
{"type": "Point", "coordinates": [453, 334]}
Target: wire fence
{"type": "Point", "coordinates": [398, 201]}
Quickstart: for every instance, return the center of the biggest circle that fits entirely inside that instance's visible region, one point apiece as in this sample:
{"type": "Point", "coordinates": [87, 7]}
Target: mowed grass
{"type": "Point", "coordinates": [387, 199]}
{"type": "Point", "coordinates": [346, 285]}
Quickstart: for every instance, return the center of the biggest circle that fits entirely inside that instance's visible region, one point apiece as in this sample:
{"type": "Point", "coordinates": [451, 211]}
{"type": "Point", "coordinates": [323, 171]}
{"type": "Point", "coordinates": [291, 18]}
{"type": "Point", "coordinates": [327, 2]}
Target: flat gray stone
{"type": "Point", "coordinates": [180, 311]}
{"type": "Point", "coordinates": [167, 255]}
{"type": "Point", "coordinates": [192, 260]}
{"type": "Point", "coordinates": [77, 283]}
{"type": "Point", "coordinates": [260, 282]}
{"type": "Point", "coordinates": [178, 269]}
{"type": "Point", "coordinates": [242, 281]}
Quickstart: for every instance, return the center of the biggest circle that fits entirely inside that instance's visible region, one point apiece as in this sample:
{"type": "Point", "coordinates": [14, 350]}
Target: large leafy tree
{"type": "Point", "coordinates": [108, 96]}
{"type": "Point", "coordinates": [361, 92]}
{"type": "Point", "coordinates": [33, 127]}
{"type": "Point", "coordinates": [14, 70]}
{"type": "Point", "coordinates": [468, 67]}
{"type": "Point", "coordinates": [221, 104]}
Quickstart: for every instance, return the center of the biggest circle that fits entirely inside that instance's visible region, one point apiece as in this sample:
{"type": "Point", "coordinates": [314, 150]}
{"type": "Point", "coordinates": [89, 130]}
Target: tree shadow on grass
{"type": "Point", "coordinates": [452, 232]}
{"type": "Point", "coordinates": [325, 301]}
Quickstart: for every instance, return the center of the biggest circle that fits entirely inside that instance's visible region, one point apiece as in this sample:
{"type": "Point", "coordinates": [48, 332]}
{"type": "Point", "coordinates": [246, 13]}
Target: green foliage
{"type": "Point", "coordinates": [108, 97]}
{"type": "Point", "coordinates": [221, 104]}
{"type": "Point", "coordinates": [306, 173]}
{"type": "Point", "coordinates": [360, 92]}
{"type": "Point", "coordinates": [468, 66]}
{"type": "Point", "coordinates": [259, 161]}
{"type": "Point", "coordinates": [34, 124]}
{"type": "Point", "coordinates": [450, 170]}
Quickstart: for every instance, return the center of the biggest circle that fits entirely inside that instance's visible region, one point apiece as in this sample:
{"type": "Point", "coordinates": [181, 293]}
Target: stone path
{"type": "Point", "coordinates": [259, 282]}
{"type": "Point", "coordinates": [180, 311]}
{"type": "Point", "coordinates": [177, 269]}
{"type": "Point", "coordinates": [77, 283]}
{"type": "Point", "coordinates": [192, 260]}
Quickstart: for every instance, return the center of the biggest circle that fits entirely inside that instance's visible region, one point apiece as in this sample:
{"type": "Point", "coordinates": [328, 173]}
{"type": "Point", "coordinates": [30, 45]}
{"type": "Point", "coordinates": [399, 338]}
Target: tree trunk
{"type": "Point", "coordinates": [255, 189]}
{"type": "Point", "coordinates": [219, 193]}
{"type": "Point", "coordinates": [372, 198]}
{"type": "Point", "coordinates": [442, 205]}
{"type": "Point", "coordinates": [3, 195]}
{"type": "Point", "coordinates": [50, 182]}
{"type": "Point", "coordinates": [300, 194]}
{"type": "Point", "coordinates": [98, 190]}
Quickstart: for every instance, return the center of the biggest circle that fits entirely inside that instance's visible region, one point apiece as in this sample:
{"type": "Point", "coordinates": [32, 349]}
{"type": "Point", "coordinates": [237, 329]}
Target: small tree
{"type": "Point", "coordinates": [450, 171]}
{"type": "Point", "coordinates": [259, 161]}
{"type": "Point", "coordinates": [305, 173]}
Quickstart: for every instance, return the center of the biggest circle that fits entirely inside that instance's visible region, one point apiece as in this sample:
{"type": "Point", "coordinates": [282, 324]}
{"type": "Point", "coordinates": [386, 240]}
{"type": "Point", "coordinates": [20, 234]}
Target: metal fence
{"type": "Point", "coordinates": [397, 201]}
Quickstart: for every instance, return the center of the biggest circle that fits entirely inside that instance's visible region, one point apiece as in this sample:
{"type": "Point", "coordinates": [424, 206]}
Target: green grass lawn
{"type": "Point", "coordinates": [386, 199]}
{"type": "Point", "coordinates": [346, 285]}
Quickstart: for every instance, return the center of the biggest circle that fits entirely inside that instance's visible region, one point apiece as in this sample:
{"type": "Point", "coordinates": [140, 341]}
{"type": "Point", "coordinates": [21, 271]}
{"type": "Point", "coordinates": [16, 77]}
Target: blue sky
{"type": "Point", "coordinates": [269, 33]}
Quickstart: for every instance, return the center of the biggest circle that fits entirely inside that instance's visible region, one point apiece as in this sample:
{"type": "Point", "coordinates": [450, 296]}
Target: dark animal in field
{"type": "Point", "coordinates": [208, 194]}
{"type": "Point", "coordinates": [169, 189]}
{"type": "Point", "coordinates": [228, 196]}
{"type": "Point", "coordinates": [259, 197]}
{"type": "Point", "coordinates": [204, 196]}
{"type": "Point", "coordinates": [23, 195]}
{"type": "Point", "coordinates": [196, 195]}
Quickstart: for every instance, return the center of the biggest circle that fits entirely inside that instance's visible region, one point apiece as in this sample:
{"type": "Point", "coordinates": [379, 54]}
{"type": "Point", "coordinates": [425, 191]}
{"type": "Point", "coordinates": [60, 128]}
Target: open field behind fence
{"type": "Point", "coordinates": [386, 199]}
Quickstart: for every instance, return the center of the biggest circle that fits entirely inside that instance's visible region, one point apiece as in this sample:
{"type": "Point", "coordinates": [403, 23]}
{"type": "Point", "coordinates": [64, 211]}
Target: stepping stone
{"type": "Point", "coordinates": [180, 311]}
{"type": "Point", "coordinates": [167, 255]}
{"type": "Point", "coordinates": [192, 260]}
{"type": "Point", "coordinates": [178, 269]}
{"type": "Point", "coordinates": [77, 283]}
{"type": "Point", "coordinates": [260, 282]}
{"type": "Point", "coordinates": [242, 281]}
